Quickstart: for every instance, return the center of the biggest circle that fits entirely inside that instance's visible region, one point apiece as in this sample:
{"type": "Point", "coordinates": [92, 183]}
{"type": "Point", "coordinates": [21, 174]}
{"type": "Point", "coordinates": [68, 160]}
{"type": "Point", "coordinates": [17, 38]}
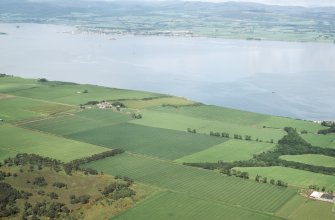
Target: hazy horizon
{"type": "Point", "coordinates": [305, 3]}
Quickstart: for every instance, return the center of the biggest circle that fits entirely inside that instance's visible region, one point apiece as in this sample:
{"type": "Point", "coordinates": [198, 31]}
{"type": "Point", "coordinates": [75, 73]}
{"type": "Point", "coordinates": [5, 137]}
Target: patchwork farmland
{"type": "Point", "coordinates": [159, 134]}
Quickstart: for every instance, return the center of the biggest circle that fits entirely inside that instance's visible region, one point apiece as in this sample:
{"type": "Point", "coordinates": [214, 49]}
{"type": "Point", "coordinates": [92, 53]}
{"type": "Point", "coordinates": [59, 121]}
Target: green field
{"type": "Point", "coordinates": [81, 121]}
{"type": "Point", "coordinates": [301, 208]}
{"type": "Point", "coordinates": [197, 183]}
{"type": "Point", "coordinates": [229, 151]}
{"type": "Point", "coordinates": [162, 143]}
{"type": "Point", "coordinates": [19, 108]}
{"type": "Point", "coordinates": [300, 125]}
{"type": "Point", "coordinates": [181, 122]}
{"type": "Point", "coordinates": [45, 119]}
{"type": "Point", "coordinates": [312, 159]}
{"type": "Point", "coordinates": [320, 140]}
{"type": "Point", "coordinates": [216, 113]}
{"type": "Point", "coordinates": [172, 205]}
{"type": "Point", "coordinates": [140, 104]}
{"type": "Point", "coordinates": [73, 93]}
{"type": "Point", "coordinates": [18, 140]}
{"type": "Point", "coordinates": [294, 177]}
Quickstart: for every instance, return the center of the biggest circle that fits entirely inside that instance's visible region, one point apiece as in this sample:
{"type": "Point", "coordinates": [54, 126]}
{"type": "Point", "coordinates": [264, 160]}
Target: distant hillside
{"type": "Point", "coordinates": [223, 20]}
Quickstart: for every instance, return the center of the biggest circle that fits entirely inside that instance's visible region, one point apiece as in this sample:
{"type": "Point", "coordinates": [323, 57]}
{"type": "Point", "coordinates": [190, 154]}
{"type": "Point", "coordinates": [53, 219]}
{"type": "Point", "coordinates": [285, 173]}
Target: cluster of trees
{"type": "Point", "coordinates": [53, 195]}
{"type": "Point", "coordinates": [323, 189]}
{"type": "Point", "coordinates": [328, 130]}
{"type": "Point", "coordinates": [237, 173]}
{"type": "Point", "coordinates": [40, 181]}
{"type": "Point", "coordinates": [8, 197]}
{"type": "Point", "coordinates": [128, 180]}
{"type": "Point", "coordinates": [22, 159]}
{"type": "Point", "coordinates": [136, 116]}
{"type": "Point", "coordinates": [3, 175]}
{"type": "Point", "coordinates": [83, 199]}
{"type": "Point", "coordinates": [261, 179]}
{"type": "Point", "coordinates": [219, 134]}
{"type": "Point", "coordinates": [190, 130]}
{"type": "Point", "coordinates": [59, 185]}
{"type": "Point", "coordinates": [118, 190]}
{"type": "Point", "coordinates": [290, 144]}
{"type": "Point", "coordinates": [75, 164]}
{"type": "Point", "coordinates": [328, 123]}
{"type": "Point", "coordinates": [92, 103]}
{"type": "Point", "coordinates": [118, 104]}
{"type": "Point", "coordinates": [43, 80]}
{"type": "Point", "coordinates": [236, 136]}
{"type": "Point", "coordinates": [44, 210]}
{"type": "Point", "coordinates": [3, 75]}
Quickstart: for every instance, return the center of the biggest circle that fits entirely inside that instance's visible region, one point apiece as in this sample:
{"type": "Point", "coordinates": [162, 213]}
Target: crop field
{"type": "Point", "coordinates": [233, 116]}
{"type": "Point", "coordinates": [81, 121]}
{"type": "Point", "coordinates": [181, 122]}
{"type": "Point", "coordinates": [300, 125]}
{"type": "Point", "coordinates": [162, 143]}
{"type": "Point", "coordinates": [18, 140]}
{"type": "Point", "coordinates": [312, 159]}
{"type": "Point", "coordinates": [294, 177]}
{"type": "Point", "coordinates": [44, 118]}
{"type": "Point", "coordinates": [216, 113]}
{"type": "Point", "coordinates": [9, 84]}
{"type": "Point", "coordinates": [228, 151]}
{"type": "Point", "coordinates": [197, 183]}
{"type": "Point", "coordinates": [19, 108]}
{"type": "Point", "coordinates": [320, 140]}
{"type": "Point", "coordinates": [140, 104]}
{"type": "Point", "coordinates": [301, 208]}
{"type": "Point", "coordinates": [74, 93]}
{"type": "Point", "coordinates": [171, 205]}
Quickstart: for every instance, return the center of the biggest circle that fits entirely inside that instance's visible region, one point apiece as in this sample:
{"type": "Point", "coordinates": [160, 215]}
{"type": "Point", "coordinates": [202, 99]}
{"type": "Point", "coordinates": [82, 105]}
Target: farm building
{"type": "Point", "coordinates": [327, 197]}
{"type": "Point", "coordinates": [316, 195]}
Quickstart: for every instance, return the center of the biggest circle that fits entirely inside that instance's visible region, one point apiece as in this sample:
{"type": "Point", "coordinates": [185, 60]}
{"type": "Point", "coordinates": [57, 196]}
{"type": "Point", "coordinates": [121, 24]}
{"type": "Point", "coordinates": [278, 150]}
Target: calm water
{"type": "Point", "coordinates": [279, 78]}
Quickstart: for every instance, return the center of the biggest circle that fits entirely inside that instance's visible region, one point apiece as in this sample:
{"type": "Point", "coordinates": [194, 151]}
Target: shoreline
{"type": "Point", "coordinates": [174, 34]}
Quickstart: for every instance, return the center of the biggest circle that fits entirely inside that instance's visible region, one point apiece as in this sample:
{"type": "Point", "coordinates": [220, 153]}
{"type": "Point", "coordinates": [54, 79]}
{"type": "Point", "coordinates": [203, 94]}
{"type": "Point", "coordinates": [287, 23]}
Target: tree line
{"type": "Point", "coordinates": [290, 144]}
{"type": "Point", "coordinates": [57, 165]}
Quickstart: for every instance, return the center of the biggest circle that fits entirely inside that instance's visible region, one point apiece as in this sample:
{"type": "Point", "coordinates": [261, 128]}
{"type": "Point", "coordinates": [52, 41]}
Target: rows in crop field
{"type": "Point", "coordinates": [197, 182]}
{"type": "Point", "coordinates": [180, 122]}
{"type": "Point", "coordinates": [172, 205]}
{"type": "Point", "coordinates": [162, 143]}
{"type": "Point", "coordinates": [19, 140]}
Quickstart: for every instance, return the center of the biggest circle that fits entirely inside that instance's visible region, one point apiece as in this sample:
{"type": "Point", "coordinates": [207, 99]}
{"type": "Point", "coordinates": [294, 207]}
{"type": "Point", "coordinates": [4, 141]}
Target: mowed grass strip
{"type": "Point", "coordinates": [301, 208]}
{"type": "Point", "coordinates": [162, 143]}
{"type": "Point", "coordinates": [15, 140]}
{"type": "Point", "coordinates": [181, 122]}
{"type": "Point", "coordinates": [20, 108]}
{"type": "Point", "coordinates": [217, 113]}
{"type": "Point", "coordinates": [81, 121]}
{"type": "Point", "coordinates": [172, 205]}
{"type": "Point", "coordinates": [312, 159]}
{"type": "Point", "coordinates": [198, 183]}
{"type": "Point", "coordinates": [295, 177]}
{"type": "Point", "coordinates": [229, 151]}
{"type": "Point", "coordinates": [140, 104]}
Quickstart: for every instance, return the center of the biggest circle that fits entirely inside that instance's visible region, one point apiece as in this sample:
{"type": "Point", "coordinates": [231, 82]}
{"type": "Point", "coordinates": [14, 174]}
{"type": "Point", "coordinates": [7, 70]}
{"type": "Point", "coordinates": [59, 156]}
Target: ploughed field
{"type": "Point", "coordinates": [160, 133]}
